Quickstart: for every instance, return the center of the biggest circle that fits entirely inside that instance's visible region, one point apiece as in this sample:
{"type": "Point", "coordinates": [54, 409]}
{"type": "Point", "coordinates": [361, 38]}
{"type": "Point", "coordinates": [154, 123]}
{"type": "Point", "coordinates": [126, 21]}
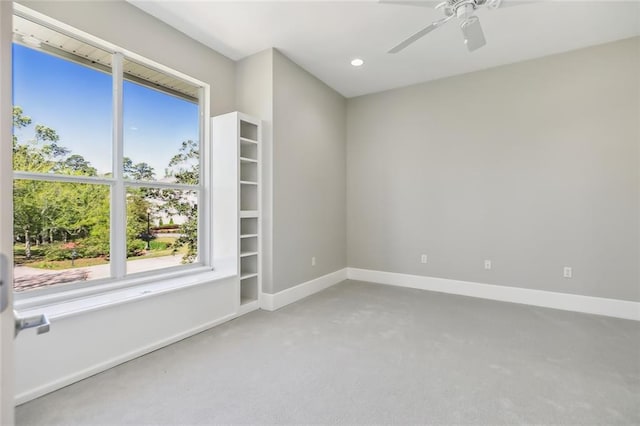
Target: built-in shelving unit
{"type": "Point", "coordinates": [241, 136]}
{"type": "Point", "coordinates": [249, 210]}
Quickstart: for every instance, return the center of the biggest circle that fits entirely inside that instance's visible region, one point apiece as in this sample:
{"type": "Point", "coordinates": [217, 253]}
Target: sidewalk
{"type": "Point", "coordinates": [26, 277]}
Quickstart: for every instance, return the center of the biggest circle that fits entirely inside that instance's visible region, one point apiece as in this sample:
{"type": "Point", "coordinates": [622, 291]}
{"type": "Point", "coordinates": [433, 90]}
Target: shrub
{"type": "Point", "coordinates": [93, 248]}
{"type": "Point", "coordinates": [84, 249]}
{"type": "Point", "coordinates": [136, 247]}
{"type": "Point", "coordinates": [166, 226]}
{"type": "Point", "coordinates": [159, 245]}
{"type": "Point", "coordinates": [57, 251]}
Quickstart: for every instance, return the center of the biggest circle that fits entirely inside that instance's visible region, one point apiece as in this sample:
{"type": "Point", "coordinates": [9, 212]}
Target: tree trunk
{"type": "Point", "coordinates": [27, 243]}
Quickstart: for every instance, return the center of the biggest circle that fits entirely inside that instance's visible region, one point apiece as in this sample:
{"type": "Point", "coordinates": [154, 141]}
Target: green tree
{"type": "Point", "coordinates": [30, 215]}
{"type": "Point", "coordinates": [139, 200]}
{"type": "Point", "coordinates": [51, 212]}
{"type": "Point", "coordinates": [44, 211]}
{"type": "Point", "coordinates": [19, 121]}
{"type": "Point", "coordinates": [137, 206]}
{"type": "Point", "coordinates": [138, 171]}
{"type": "Point", "coordinates": [184, 167]}
{"type": "Point", "coordinates": [77, 165]}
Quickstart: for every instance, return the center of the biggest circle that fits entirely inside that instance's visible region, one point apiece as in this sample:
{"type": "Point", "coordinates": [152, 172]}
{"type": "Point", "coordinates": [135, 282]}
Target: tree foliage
{"type": "Point", "coordinates": [138, 171]}
{"type": "Point", "coordinates": [184, 167]}
{"type": "Point", "coordinates": [46, 212]}
{"type": "Point", "coordinates": [52, 214]}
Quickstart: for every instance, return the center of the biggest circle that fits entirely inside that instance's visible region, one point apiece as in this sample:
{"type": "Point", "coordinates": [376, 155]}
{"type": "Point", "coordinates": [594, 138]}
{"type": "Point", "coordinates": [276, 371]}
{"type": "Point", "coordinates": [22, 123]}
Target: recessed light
{"type": "Point", "coordinates": [357, 62]}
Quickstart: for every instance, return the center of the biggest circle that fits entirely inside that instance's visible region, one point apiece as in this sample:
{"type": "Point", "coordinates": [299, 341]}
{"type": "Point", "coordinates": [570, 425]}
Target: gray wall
{"type": "Point", "coordinates": [304, 168]}
{"type": "Point", "coordinates": [309, 175]}
{"type": "Point", "coordinates": [533, 165]}
{"type": "Point", "coordinates": [128, 27]}
{"type": "Point", "coordinates": [254, 91]}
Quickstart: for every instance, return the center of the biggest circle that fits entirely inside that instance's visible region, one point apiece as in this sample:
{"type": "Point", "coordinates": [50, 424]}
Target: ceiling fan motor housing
{"type": "Point", "coordinates": [465, 8]}
{"type": "Point", "coordinates": [463, 11]}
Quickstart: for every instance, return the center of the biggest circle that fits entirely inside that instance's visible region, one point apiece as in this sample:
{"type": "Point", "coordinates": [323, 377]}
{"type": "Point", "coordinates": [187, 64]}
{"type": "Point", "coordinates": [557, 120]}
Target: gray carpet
{"type": "Point", "coordinates": [366, 353]}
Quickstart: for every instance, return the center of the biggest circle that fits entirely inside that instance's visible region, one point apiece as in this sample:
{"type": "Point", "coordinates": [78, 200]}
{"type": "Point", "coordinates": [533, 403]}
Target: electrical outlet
{"type": "Point", "coordinates": [423, 258]}
{"type": "Point", "coordinates": [487, 264]}
{"type": "Point", "coordinates": [313, 261]}
{"type": "Point", "coordinates": [567, 272]}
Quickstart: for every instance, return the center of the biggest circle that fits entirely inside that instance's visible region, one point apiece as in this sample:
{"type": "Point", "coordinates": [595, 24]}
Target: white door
{"type": "Point", "coordinates": [7, 327]}
{"type": "Point", "coordinates": [7, 321]}
{"type": "Point", "coordinates": [9, 324]}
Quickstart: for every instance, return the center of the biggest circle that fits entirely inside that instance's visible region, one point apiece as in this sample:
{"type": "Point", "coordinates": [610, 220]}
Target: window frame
{"type": "Point", "coordinates": [118, 184]}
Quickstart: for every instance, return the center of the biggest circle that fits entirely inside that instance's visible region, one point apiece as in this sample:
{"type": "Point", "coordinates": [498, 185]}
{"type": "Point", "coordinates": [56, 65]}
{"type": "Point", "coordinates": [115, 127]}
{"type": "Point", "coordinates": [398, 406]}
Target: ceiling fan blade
{"type": "Point", "coordinates": [472, 32]}
{"type": "Point", "coordinates": [420, 3]}
{"type": "Point", "coordinates": [419, 34]}
{"type": "Point", "coordinates": [495, 4]}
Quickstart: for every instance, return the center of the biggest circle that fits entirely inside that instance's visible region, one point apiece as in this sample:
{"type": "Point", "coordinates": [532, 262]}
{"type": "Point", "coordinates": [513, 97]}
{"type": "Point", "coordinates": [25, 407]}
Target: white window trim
{"type": "Point", "coordinates": [118, 203]}
{"type": "Point", "coordinates": [119, 280]}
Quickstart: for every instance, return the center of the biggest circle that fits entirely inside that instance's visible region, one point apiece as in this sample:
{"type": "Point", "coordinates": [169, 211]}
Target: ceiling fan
{"type": "Point", "coordinates": [462, 9]}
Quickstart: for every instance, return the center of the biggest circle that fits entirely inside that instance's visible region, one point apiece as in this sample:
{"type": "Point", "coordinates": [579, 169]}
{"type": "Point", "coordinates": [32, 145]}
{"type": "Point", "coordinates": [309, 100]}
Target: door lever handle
{"type": "Point", "coordinates": [39, 322]}
{"type": "Point", "coordinates": [4, 283]}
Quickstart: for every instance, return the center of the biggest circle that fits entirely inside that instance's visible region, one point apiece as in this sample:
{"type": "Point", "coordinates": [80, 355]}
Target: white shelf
{"type": "Point", "coordinates": [249, 180]}
{"type": "Point", "coordinates": [248, 275]}
{"type": "Point", "coordinates": [249, 253]}
{"type": "Point", "coordinates": [238, 148]}
{"type": "Point", "coordinates": [248, 301]}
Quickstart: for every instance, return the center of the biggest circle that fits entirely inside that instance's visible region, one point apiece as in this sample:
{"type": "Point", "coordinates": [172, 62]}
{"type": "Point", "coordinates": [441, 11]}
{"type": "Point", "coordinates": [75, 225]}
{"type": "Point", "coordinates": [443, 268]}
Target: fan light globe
{"type": "Point", "coordinates": [357, 62]}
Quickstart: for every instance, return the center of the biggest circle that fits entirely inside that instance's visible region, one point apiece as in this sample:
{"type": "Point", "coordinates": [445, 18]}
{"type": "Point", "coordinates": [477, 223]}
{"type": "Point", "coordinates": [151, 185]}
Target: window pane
{"type": "Point", "coordinates": [161, 126]}
{"type": "Point", "coordinates": [162, 228]}
{"type": "Point", "coordinates": [61, 233]}
{"type": "Point", "coordinates": [62, 103]}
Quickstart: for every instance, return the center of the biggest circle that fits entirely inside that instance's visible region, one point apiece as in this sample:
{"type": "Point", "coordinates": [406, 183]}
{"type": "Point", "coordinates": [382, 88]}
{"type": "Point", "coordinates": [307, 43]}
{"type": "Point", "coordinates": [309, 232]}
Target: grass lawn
{"type": "Point", "coordinates": [159, 253]}
{"type": "Point", "coordinates": [56, 265]}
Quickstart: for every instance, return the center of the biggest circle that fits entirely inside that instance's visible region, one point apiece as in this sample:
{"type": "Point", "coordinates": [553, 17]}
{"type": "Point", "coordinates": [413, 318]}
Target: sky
{"type": "Point", "coordinates": [76, 101]}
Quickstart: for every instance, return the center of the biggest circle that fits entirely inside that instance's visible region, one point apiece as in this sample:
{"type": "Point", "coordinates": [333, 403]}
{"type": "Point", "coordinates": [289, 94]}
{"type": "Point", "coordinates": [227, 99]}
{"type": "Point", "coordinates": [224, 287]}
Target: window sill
{"type": "Point", "coordinates": [153, 287]}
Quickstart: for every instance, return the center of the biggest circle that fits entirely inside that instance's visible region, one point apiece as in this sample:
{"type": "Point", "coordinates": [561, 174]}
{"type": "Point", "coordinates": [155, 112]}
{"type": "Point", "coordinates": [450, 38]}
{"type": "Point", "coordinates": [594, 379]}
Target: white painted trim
{"type": "Point", "coordinates": [118, 204]}
{"type": "Point", "coordinates": [248, 307]}
{"type": "Point", "coordinates": [7, 322]}
{"type": "Point", "coordinates": [103, 366]}
{"type": "Point", "coordinates": [67, 29]}
{"type": "Point", "coordinates": [548, 299]}
{"type": "Point", "coordinates": [272, 302]}
{"type": "Point", "coordinates": [74, 306]}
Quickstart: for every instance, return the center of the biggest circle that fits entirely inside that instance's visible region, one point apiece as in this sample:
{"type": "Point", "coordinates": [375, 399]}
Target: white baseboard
{"type": "Point", "coordinates": [46, 388]}
{"type": "Point", "coordinates": [272, 302]}
{"type": "Point", "coordinates": [548, 299]}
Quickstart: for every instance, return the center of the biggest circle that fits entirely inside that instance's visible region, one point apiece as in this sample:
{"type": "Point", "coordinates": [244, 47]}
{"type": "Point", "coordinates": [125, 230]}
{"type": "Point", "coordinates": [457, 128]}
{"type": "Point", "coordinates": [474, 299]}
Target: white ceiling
{"type": "Point", "coordinates": [323, 36]}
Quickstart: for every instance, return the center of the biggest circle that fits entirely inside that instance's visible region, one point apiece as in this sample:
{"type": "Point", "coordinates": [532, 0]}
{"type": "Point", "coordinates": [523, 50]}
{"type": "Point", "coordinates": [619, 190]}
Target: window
{"type": "Point", "coordinates": [109, 168]}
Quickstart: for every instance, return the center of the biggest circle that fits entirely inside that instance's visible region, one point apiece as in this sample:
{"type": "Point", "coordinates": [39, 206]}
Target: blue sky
{"type": "Point", "coordinates": [76, 101]}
